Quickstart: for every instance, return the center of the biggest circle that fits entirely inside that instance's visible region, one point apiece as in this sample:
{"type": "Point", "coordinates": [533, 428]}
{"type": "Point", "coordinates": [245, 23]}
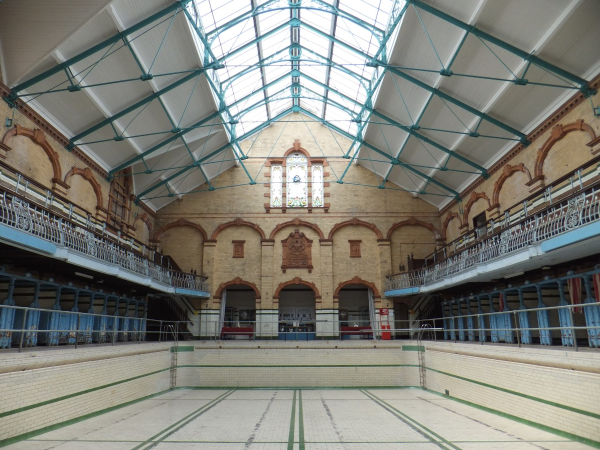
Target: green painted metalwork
{"type": "Point", "coordinates": [132, 108]}
{"type": "Point", "coordinates": [405, 128]}
{"type": "Point", "coordinates": [211, 155]}
{"type": "Point", "coordinates": [96, 48]}
{"type": "Point", "coordinates": [296, 86]}
{"type": "Point", "coordinates": [584, 85]}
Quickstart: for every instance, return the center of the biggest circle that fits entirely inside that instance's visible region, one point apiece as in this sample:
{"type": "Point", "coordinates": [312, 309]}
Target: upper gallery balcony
{"type": "Point", "coordinates": [34, 219]}
{"type": "Point", "coordinates": [554, 225]}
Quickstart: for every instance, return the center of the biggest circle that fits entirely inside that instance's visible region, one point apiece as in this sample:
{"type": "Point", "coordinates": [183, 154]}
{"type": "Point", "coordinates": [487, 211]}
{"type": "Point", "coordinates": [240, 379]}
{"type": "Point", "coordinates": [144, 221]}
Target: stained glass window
{"type": "Point", "coordinates": [276, 186]}
{"type": "Point", "coordinates": [317, 186]}
{"type": "Point", "coordinates": [297, 181]}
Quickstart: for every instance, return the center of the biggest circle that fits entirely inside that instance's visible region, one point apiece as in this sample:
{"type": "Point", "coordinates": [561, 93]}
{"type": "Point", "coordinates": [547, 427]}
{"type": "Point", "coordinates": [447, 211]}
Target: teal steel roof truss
{"type": "Point", "coordinates": [325, 59]}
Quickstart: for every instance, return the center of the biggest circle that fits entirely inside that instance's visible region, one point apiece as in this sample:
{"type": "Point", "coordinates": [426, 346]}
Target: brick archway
{"type": "Point", "coordinates": [449, 218]}
{"type": "Point", "coordinates": [179, 223]}
{"type": "Point", "coordinates": [507, 172]}
{"type": "Point", "coordinates": [234, 282]}
{"type": "Point", "coordinates": [296, 280]}
{"type": "Point", "coordinates": [413, 221]}
{"type": "Point", "coordinates": [357, 280]}
{"type": "Point", "coordinates": [39, 138]}
{"type": "Point", "coordinates": [237, 223]}
{"type": "Point", "coordinates": [295, 223]}
{"type": "Point", "coordinates": [559, 132]}
{"type": "Point", "coordinates": [87, 175]}
{"type": "Point", "coordinates": [143, 218]}
{"type": "Point", "coordinates": [355, 221]}
{"type": "Point", "coordinates": [475, 196]}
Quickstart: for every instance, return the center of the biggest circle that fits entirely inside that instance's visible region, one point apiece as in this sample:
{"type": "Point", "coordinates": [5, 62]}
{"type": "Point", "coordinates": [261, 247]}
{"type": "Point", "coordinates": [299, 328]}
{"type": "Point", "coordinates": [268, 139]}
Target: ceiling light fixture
{"type": "Point", "coordinates": [516, 274]}
{"type": "Point", "coordinates": [84, 275]}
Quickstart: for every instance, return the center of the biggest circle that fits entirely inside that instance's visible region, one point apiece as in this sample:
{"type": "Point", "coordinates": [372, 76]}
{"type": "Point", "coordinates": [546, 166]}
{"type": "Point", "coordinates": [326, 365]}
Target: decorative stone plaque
{"type": "Point", "coordinates": [297, 252]}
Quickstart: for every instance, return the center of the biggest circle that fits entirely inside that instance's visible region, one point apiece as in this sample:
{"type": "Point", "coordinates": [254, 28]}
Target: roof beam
{"type": "Point", "coordinates": [273, 6]}
{"type": "Point", "coordinates": [263, 74]}
{"type": "Point", "coordinates": [376, 150]}
{"type": "Point", "coordinates": [402, 127]}
{"type": "Point", "coordinates": [187, 130]}
{"type": "Point", "coordinates": [336, 4]}
{"type": "Point", "coordinates": [133, 107]}
{"type": "Point", "coordinates": [584, 84]}
{"type": "Point", "coordinates": [425, 86]}
{"type": "Point", "coordinates": [96, 48]}
{"type": "Point", "coordinates": [211, 155]}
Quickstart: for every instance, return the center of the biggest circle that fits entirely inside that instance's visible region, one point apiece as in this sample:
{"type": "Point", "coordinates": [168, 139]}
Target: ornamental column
{"type": "Point", "coordinates": [267, 311]}
{"type": "Point", "coordinates": [327, 309]}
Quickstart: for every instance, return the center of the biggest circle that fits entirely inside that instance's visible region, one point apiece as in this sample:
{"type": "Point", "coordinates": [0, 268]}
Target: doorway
{"type": "Point", "coordinates": [238, 312]}
{"type": "Point", "coordinates": [356, 312]}
{"type": "Point", "coordinates": [297, 313]}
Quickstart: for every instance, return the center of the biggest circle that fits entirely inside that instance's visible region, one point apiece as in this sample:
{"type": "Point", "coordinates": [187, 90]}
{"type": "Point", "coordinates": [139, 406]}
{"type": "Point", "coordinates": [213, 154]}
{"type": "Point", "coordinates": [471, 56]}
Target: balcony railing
{"type": "Point", "coordinates": [511, 233]}
{"type": "Point", "coordinates": [18, 213]}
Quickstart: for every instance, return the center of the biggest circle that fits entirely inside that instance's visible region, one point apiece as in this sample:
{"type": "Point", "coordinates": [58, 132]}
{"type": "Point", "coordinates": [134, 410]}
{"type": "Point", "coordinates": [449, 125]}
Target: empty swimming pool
{"type": "Point", "coordinates": [307, 419]}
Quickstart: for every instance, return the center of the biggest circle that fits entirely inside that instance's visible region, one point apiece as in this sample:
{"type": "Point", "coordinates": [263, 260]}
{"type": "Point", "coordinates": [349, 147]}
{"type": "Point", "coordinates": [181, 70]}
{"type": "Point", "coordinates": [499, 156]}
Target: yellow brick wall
{"type": "Point", "coordinates": [185, 245]}
{"type": "Point", "coordinates": [565, 156]}
{"type": "Point", "coordinates": [331, 261]}
{"type": "Point", "coordinates": [27, 157]}
{"type": "Point", "coordinates": [409, 240]}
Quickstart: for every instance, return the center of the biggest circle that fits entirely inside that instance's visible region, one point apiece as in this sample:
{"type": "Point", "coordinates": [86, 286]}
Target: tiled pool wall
{"type": "Point", "coordinates": [554, 389]}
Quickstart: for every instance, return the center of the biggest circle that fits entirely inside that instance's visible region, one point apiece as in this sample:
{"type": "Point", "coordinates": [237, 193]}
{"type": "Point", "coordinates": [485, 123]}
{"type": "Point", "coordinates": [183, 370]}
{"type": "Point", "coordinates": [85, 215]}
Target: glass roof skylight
{"type": "Point", "coordinates": [295, 55]}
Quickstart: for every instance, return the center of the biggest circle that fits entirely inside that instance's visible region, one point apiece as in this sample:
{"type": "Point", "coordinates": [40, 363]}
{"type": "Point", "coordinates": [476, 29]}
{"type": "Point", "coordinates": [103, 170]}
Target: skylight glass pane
{"type": "Point", "coordinates": [318, 19]}
{"type": "Point", "coordinates": [315, 70]}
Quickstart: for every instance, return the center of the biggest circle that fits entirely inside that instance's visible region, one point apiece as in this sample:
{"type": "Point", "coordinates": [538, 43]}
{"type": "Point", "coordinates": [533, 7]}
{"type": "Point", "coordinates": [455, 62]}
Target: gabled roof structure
{"type": "Point", "coordinates": [430, 93]}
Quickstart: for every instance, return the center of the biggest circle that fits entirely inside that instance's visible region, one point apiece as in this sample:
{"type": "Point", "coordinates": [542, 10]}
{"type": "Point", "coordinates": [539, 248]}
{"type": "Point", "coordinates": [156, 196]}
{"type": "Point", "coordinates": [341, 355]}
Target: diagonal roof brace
{"type": "Point", "coordinates": [96, 48]}
{"type": "Point", "coordinates": [181, 133]}
{"type": "Point", "coordinates": [425, 86]}
{"type": "Point", "coordinates": [584, 84]}
{"type": "Point", "coordinates": [211, 155]}
{"type": "Point", "coordinates": [403, 127]}
{"type": "Point", "coordinates": [133, 107]}
{"type": "Point", "coordinates": [393, 160]}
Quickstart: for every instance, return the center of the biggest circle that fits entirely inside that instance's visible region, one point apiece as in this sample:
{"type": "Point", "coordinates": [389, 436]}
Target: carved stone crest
{"type": "Point", "coordinates": [297, 253]}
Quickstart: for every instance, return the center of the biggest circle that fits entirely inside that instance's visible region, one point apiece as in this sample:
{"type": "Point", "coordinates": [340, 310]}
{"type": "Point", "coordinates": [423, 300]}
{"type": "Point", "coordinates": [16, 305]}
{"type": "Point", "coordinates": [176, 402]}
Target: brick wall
{"type": "Point", "coordinates": [34, 148]}
{"type": "Point", "coordinates": [261, 265]}
{"type": "Point", "coordinates": [572, 127]}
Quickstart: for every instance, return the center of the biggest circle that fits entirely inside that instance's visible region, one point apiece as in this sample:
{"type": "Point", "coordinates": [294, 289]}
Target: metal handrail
{"type": "Point", "coordinates": [16, 212]}
{"type": "Point", "coordinates": [571, 213]}
{"type": "Point", "coordinates": [565, 186]}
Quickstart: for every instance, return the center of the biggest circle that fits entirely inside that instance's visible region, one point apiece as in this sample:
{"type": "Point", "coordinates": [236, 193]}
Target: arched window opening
{"type": "Point", "coordinates": [304, 186]}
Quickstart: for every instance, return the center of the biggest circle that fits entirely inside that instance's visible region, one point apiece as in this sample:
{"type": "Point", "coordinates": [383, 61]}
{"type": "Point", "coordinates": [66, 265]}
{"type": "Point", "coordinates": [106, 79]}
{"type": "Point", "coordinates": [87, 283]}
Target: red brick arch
{"type": "Point", "coordinates": [355, 221]}
{"type": "Point", "coordinates": [356, 280]}
{"type": "Point", "coordinates": [144, 218]}
{"type": "Point", "coordinates": [235, 282]}
{"type": "Point", "coordinates": [179, 223]}
{"type": "Point", "coordinates": [558, 132]}
{"type": "Point", "coordinates": [449, 218]}
{"type": "Point", "coordinates": [475, 196]}
{"type": "Point", "coordinates": [413, 221]}
{"type": "Point", "coordinates": [296, 280]}
{"type": "Point", "coordinates": [237, 223]}
{"type": "Point", "coordinates": [295, 223]}
{"type": "Point", "coordinates": [38, 137]}
{"type": "Point", "coordinates": [507, 172]}
{"type": "Point", "coordinates": [87, 175]}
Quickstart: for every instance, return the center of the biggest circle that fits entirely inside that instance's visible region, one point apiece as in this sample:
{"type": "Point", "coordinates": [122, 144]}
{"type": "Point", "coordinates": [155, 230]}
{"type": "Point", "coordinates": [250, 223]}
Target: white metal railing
{"type": "Point", "coordinates": [16, 212]}
{"type": "Point", "coordinates": [564, 216]}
